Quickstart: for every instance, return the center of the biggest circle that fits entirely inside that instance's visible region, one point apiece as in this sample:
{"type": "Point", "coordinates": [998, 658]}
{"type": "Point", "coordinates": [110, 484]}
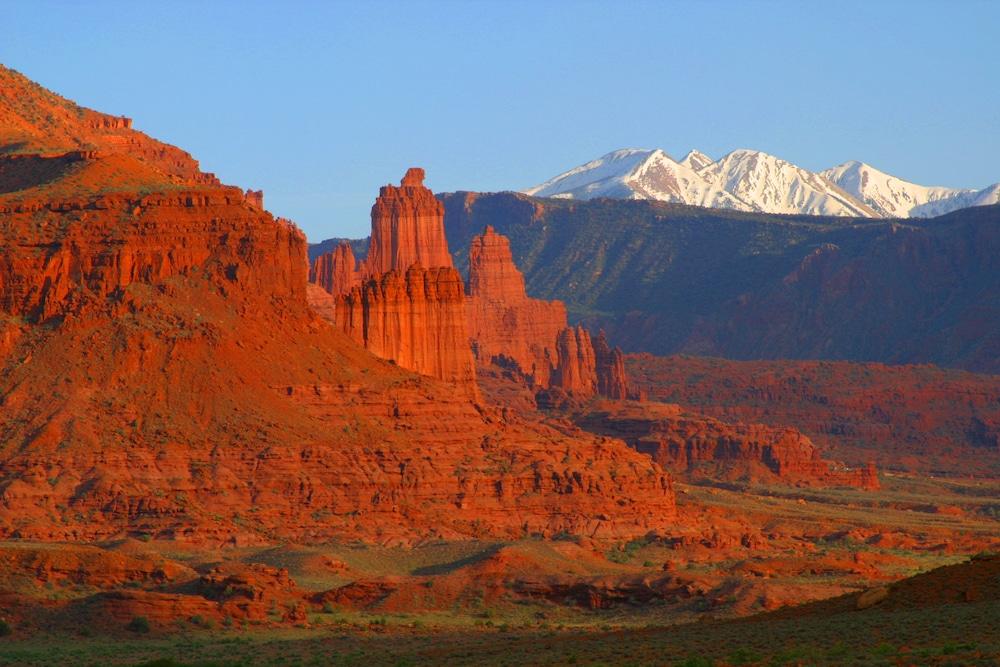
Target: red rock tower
{"type": "Point", "coordinates": [610, 366]}
{"type": "Point", "coordinates": [576, 372]}
{"type": "Point", "coordinates": [406, 301]}
{"type": "Point", "coordinates": [407, 227]}
{"type": "Point", "coordinates": [336, 272]}
{"type": "Point", "coordinates": [504, 323]}
{"type": "Point", "coordinates": [507, 326]}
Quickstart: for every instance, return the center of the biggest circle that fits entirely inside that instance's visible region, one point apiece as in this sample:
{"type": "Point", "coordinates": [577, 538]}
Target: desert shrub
{"type": "Point", "coordinates": [138, 624]}
{"type": "Point", "coordinates": [202, 622]}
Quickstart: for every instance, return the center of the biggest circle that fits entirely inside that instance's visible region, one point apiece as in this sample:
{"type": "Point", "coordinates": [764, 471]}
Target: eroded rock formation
{"type": "Point", "coordinates": [337, 272]}
{"type": "Point", "coordinates": [506, 325]}
{"type": "Point", "coordinates": [610, 366]}
{"type": "Point", "coordinates": [696, 444]}
{"type": "Point", "coordinates": [405, 302]}
{"type": "Point", "coordinates": [915, 418]}
{"type": "Point", "coordinates": [162, 375]}
{"type": "Point", "coordinates": [407, 228]}
{"type": "Point", "coordinates": [414, 317]}
{"type": "Point", "coordinates": [577, 369]}
{"type": "Point", "coordinates": [510, 329]}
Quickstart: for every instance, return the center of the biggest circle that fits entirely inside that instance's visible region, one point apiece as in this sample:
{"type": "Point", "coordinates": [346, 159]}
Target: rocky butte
{"type": "Point", "coordinates": [532, 336]}
{"type": "Point", "coordinates": [162, 374]}
{"type": "Point", "coordinates": [699, 446]}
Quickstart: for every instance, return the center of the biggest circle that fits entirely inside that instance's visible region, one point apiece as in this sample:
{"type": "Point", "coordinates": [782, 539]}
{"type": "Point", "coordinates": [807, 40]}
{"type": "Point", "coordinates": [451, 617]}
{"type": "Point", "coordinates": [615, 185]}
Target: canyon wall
{"type": "Point", "coordinates": [414, 317]}
{"type": "Point", "coordinates": [920, 419]}
{"type": "Point", "coordinates": [610, 366]}
{"type": "Point", "coordinates": [336, 272]}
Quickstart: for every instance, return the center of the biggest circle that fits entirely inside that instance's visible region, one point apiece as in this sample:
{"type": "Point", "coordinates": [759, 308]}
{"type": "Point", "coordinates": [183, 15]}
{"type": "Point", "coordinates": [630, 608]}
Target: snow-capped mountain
{"type": "Point", "coordinates": [892, 197]}
{"type": "Point", "coordinates": [637, 174]}
{"type": "Point", "coordinates": [771, 185]}
{"type": "Point", "coordinates": [749, 180]}
{"type": "Point", "coordinates": [696, 160]}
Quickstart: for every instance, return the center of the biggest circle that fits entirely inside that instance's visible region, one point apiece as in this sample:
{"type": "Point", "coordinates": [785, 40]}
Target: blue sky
{"type": "Point", "coordinates": [320, 103]}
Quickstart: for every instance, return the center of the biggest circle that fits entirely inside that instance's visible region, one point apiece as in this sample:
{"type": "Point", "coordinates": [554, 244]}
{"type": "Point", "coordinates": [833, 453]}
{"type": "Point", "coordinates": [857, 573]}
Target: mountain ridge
{"type": "Point", "coordinates": [752, 180]}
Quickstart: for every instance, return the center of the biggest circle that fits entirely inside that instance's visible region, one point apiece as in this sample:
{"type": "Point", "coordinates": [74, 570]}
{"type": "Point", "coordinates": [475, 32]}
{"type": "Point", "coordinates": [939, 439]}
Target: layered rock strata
{"type": "Point", "coordinates": [161, 375]}
{"type": "Point", "coordinates": [414, 317]}
{"type": "Point", "coordinates": [689, 443]}
{"type": "Point", "coordinates": [610, 366]}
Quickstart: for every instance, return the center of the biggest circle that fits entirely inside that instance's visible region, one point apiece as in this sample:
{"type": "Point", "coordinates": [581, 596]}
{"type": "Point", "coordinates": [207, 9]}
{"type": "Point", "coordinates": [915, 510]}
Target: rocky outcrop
{"type": "Point", "coordinates": [506, 326]}
{"type": "Point", "coordinates": [156, 237]}
{"type": "Point", "coordinates": [414, 318]}
{"type": "Point", "coordinates": [913, 418]}
{"type": "Point", "coordinates": [255, 198]}
{"type": "Point", "coordinates": [531, 336]}
{"type": "Point", "coordinates": [692, 444]}
{"type": "Point", "coordinates": [610, 368]}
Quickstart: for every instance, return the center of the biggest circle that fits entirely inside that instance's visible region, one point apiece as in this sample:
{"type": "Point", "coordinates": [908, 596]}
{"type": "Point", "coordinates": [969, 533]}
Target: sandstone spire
{"type": "Point", "coordinates": [610, 366]}
{"type": "Point", "coordinates": [405, 302]}
{"type": "Point", "coordinates": [407, 228]}
{"type": "Point", "coordinates": [336, 272]}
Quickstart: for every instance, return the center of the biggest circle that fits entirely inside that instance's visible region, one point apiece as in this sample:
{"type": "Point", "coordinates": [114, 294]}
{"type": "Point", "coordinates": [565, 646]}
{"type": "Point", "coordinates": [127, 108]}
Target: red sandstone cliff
{"type": "Point", "coordinates": [610, 367]}
{"type": "Point", "coordinates": [915, 418]}
{"type": "Point", "coordinates": [337, 272]}
{"type": "Point", "coordinates": [577, 369]}
{"type": "Point", "coordinates": [407, 228]}
{"type": "Point", "coordinates": [510, 329]}
{"type": "Point", "coordinates": [415, 318]}
{"type": "Point", "coordinates": [161, 374]}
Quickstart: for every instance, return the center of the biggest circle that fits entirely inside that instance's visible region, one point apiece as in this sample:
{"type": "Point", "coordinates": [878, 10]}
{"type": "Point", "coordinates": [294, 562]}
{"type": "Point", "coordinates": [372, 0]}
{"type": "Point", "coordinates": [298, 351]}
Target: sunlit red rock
{"type": "Point", "coordinates": [696, 444]}
{"type": "Point", "coordinates": [504, 323]}
{"type": "Point", "coordinates": [407, 228]}
{"type": "Point", "coordinates": [414, 318]}
{"type": "Point", "coordinates": [576, 371]}
{"type": "Point", "coordinates": [918, 418]}
{"type": "Point", "coordinates": [610, 368]}
{"type": "Point", "coordinates": [405, 302]}
{"type": "Point", "coordinates": [161, 375]}
{"type": "Point", "coordinates": [510, 329]}
{"type": "Point", "coordinates": [336, 272]}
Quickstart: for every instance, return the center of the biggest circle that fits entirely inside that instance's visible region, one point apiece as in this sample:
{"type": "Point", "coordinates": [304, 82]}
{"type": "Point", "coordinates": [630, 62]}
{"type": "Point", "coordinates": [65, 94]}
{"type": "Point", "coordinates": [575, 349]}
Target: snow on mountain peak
{"type": "Point", "coordinates": [696, 160]}
{"type": "Point", "coordinates": [751, 180]}
{"type": "Point", "coordinates": [893, 197]}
